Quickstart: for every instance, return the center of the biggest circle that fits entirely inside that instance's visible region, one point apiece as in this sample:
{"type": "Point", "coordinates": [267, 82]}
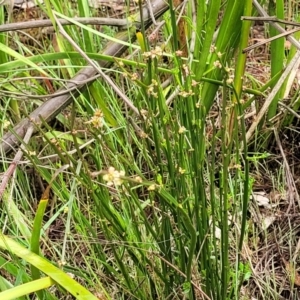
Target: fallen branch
{"type": "Point", "coordinates": [64, 22]}
{"type": "Point", "coordinates": [270, 19]}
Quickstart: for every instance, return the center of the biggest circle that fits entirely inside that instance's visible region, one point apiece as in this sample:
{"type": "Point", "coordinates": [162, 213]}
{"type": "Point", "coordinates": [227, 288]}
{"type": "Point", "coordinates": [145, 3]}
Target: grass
{"type": "Point", "coordinates": [141, 188]}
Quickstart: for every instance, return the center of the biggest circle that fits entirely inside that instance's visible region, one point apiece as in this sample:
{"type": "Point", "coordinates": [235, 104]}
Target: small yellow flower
{"type": "Point", "coordinates": [181, 171]}
{"type": "Point", "coordinates": [194, 82]}
{"type": "Point", "coordinates": [6, 124]}
{"type": "Point", "coordinates": [97, 119]}
{"type": "Point", "coordinates": [182, 129]}
{"type": "Point", "coordinates": [212, 48]}
{"type": "Point", "coordinates": [152, 187]}
{"type": "Point", "coordinates": [217, 64]}
{"type": "Point", "coordinates": [134, 77]}
{"type": "Point", "coordinates": [144, 112]}
{"type": "Point", "coordinates": [138, 179]}
{"type": "Point", "coordinates": [143, 134]}
{"type": "Point", "coordinates": [62, 263]}
{"type": "Point", "coordinates": [151, 92]}
{"type": "Point", "coordinates": [154, 82]}
{"type": "Point", "coordinates": [113, 177]}
{"type": "Point", "coordinates": [155, 53]}
{"type": "Point", "coordinates": [98, 113]}
{"type": "Point", "coordinates": [186, 70]}
{"type": "Point", "coordinates": [229, 81]}
{"type": "Point", "coordinates": [186, 94]}
{"type": "Point", "coordinates": [179, 53]}
{"type": "Point", "coordinates": [158, 51]}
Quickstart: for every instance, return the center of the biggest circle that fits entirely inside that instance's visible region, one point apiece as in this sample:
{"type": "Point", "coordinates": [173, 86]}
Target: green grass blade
{"type": "Point", "coordinates": [226, 43]}
{"type": "Point", "coordinates": [21, 58]}
{"type": "Point", "coordinates": [18, 217]}
{"type": "Point", "coordinates": [35, 238]}
{"type": "Point", "coordinates": [202, 55]}
{"type": "Point", "coordinates": [27, 288]}
{"type": "Point", "coordinates": [61, 278]}
{"type": "Point", "coordinates": [276, 8]}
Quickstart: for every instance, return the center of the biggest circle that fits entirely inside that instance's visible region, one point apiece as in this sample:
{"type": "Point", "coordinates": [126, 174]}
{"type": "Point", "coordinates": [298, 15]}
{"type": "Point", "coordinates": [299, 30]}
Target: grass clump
{"type": "Point", "coordinates": [141, 187]}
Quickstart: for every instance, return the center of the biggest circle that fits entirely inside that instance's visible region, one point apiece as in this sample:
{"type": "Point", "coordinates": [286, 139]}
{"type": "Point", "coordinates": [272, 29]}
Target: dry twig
{"type": "Point", "coordinates": [291, 186]}
{"type": "Point", "coordinates": [48, 23]}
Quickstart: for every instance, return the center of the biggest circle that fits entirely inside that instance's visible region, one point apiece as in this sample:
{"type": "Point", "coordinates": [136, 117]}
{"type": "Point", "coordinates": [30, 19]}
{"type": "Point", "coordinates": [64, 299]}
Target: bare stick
{"type": "Point", "coordinates": [48, 23]}
{"type": "Point", "coordinates": [289, 109]}
{"type": "Point", "coordinates": [271, 19]}
{"type": "Point", "coordinates": [291, 186]}
{"type": "Point", "coordinates": [271, 39]}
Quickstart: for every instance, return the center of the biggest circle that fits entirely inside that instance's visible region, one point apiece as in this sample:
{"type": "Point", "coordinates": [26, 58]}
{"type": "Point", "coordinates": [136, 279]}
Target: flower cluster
{"type": "Point", "coordinates": [152, 187]}
{"type": "Point", "coordinates": [134, 77]}
{"type": "Point", "coordinates": [230, 78]}
{"type": "Point", "coordinates": [113, 177]}
{"type": "Point", "coordinates": [186, 94]}
{"type": "Point", "coordinates": [186, 70]}
{"type": "Point", "coordinates": [97, 119]}
{"type": "Point", "coordinates": [154, 53]}
{"type": "Point", "coordinates": [181, 171]}
{"type": "Point", "coordinates": [212, 49]}
{"type": "Point", "coordinates": [217, 64]}
{"type": "Point", "coordinates": [6, 124]}
{"type": "Point", "coordinates": [151, 89]}
{"type": "Point", "coordinates": [182, 129]}
{"type": "Point", "coordinates": [179, 53]}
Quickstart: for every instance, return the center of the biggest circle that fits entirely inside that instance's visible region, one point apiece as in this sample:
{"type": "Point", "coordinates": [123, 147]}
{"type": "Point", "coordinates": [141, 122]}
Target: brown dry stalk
{"type": "Point", "coordinates": [292, 192]}
{"type": "Point", "coordinates": [181, 29]}
{"type": "Point", "coordinates": [270, 19]}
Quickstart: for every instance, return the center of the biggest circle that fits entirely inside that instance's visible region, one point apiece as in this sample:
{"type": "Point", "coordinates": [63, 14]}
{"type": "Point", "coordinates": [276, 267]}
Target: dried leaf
{"type": "Point", "coordinates": [261, 199]}
{"type": "Point", "coordinates": [292, 273]}
{"type": "Point", "coordinates": [267, 221]}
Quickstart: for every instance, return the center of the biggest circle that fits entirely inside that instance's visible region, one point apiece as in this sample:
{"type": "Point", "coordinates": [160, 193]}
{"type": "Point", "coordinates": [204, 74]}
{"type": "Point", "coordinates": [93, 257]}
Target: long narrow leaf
{"type": "Point", "coordinates": [27, 288]}
{"type": "Point", "coordinates": [61, 278]}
